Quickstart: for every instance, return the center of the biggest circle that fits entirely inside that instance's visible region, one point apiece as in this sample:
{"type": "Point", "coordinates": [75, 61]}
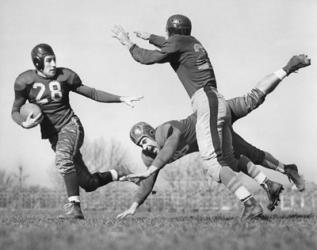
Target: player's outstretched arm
{"type": "Point", "coordinates": [141, 55]}
{"type": "Point", "coordinates": [144, 190]}
{"type": "Point", "coordinates": [158, 41]}
{"type": "Point", "coordinates": [102, 96]}
{"type": "Point", "coordinates": [143, 35]}
{"type": "Point", "coordinates": [140, 176]}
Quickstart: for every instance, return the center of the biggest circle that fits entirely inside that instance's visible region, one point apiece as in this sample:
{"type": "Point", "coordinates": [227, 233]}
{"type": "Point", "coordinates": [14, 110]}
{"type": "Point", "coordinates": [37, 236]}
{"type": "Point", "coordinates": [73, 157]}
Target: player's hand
{"type": "Point", "coordinates": [123, 36]}
{"type": "Point", "coordinates": [130, 211]}
{"type": "Point", "coordinates": [31, 122]}
{"type": "Point", "coordinates": [142, 35]}
{"type": "Point", "coordinates": [135, 178]}
{"type": "Point", "coordinates": [131, 100]}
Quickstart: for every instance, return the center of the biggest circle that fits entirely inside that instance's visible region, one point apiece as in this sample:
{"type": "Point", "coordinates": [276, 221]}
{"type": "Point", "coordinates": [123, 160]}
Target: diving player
{"type": "Point", "coordinates": [48, 86]}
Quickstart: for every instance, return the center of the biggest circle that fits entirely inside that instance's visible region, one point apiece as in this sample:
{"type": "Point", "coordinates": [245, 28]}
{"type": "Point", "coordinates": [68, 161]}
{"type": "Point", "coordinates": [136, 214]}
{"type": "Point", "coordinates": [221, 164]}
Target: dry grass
{"type": "Point", "coordinates": [32, 230]}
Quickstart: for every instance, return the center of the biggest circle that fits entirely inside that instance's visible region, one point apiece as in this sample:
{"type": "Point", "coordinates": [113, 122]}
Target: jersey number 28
{"type": "Point", "coordinates": [54, 89]}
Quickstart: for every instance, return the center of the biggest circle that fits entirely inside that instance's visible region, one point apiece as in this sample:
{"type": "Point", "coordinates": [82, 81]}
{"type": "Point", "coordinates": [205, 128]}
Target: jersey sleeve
{"type": "Point", "coordinates": [20, 97]}
{"type": "Point", "coordinates": [97, 95]}
{"type": "Point", "coordinates": [158, 41]}
{"type": "Point", "coordinates": [145, 56]}
{"type": "Point", "coordinates": [167, 151]}
{"type": "Point", "coordinates": [73, 79]}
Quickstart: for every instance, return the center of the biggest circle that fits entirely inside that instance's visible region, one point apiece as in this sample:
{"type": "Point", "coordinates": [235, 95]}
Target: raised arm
{"type": "Point", "coordinates": [158, 41]}
{"type": "Point", "coordinates": [141, 55]}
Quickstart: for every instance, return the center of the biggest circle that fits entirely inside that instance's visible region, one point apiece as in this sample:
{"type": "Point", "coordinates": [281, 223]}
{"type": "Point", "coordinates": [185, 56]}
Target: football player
{"type": "Point", "coordinates": [190, 61]}
{"type": "Point", "coordinates": [174, 139]}
{"type": "Point", "coordinates": [48, 86]}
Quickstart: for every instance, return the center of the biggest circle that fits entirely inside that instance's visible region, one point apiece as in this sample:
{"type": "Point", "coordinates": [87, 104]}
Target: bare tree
{"type": "Point", "coordinates": [185, 171]}
{"type": "Point", "coordinates": [101, 155]}
{"type": "Point", "coordinates": [6, 180]}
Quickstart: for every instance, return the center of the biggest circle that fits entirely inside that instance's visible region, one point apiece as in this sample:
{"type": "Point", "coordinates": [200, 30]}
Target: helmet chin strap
{"type": "Point", "coordinates": [39, 72]}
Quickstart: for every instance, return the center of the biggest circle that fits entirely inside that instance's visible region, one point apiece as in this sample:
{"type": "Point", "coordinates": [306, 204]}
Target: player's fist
{"type": "Point", "coordinates": [31, 121]}
{"type": "Point", "coordinates": [31, 115]}
{"type": "Point", "coordinates": [142, 35]}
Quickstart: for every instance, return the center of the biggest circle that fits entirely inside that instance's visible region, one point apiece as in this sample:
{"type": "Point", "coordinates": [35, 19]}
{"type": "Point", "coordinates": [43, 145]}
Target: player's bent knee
{"type": "Point", "coordinates": [88, 188]}
{"type": "Point", "coordinates": [64, 165]}
{"type": "Point", "coordinates": [90, 184]}
{"type": "Point", "coordinates": [213, 169]}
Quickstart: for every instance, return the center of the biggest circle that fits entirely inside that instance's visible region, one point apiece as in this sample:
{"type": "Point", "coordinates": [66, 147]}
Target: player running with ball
{"type": "Point", "coordinates": [191, 63]}
{"type": "Point", "coordinates": [48, 86]}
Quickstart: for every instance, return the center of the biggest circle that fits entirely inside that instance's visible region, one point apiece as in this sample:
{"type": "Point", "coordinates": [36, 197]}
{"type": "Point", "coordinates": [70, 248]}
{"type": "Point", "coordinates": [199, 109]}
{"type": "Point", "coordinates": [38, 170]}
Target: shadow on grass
{"type": "Point", "coordinates": [292, 216]}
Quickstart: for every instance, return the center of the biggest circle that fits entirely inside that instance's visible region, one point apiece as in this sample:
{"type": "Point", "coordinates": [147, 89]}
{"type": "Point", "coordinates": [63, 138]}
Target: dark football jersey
{"type": "Point", "coordinates": [187, 143]}
{"type": "Point", "coordinates": [186, 55]}
{"type": "Point", "coordinates": [51, 94]}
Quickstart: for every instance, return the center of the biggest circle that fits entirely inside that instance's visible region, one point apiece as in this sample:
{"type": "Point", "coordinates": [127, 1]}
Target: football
{"type": "Point", "coordinates": [27, 108]}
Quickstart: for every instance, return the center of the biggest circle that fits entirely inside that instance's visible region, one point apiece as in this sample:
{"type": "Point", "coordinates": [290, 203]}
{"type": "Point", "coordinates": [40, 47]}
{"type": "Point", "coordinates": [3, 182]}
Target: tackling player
{"type": "Point", "coordinates": [48, 86]}
{"type": "Point", "coordinates": [191, 63]}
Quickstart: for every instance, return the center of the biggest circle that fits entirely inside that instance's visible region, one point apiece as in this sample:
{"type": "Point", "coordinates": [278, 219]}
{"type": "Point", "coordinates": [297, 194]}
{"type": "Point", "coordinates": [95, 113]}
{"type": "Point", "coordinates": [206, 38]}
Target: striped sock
{"type": "Point", "coordinates": [74, 198]}
{"type": "Point", "coordinates": [231, 181]}
{"type": "Point", "coordinates": [250, 169]}
{"type": "Point", "coordinates": [270, 162]}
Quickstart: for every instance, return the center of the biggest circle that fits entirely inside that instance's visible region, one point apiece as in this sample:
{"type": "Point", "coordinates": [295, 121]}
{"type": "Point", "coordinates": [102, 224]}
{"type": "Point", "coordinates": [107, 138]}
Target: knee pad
{"type": "Point", "coordinates": [65, 167]}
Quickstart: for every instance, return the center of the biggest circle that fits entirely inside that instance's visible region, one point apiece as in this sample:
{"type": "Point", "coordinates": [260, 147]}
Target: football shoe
{"type": "Point", "coordinates": [291, 171]}
{"type": "Point", "coordinates": [273, 191]}
{"type": "Point", "coordinates": [296, 62]}
{"type": "Point", "coordinates": [72, 211]}
{"type": "Point", "coordinates": [252, 209]}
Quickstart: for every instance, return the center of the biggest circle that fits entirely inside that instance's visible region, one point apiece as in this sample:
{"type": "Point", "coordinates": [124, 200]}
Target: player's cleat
{"type": "Point", "coordinates": [273, 191]}
{"type": "Point", "coordinates": [252, 209]}
{"type": "Point", "coordinates": [72, 211]}
{"type": "Point", "coordinates": [291, 171]}
{"type": "Point", "coordinates": [296, 62]}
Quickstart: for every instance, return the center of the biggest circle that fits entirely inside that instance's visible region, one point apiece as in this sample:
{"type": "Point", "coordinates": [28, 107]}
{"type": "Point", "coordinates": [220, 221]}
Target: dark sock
{"type": "Point", "coordinates": [71, 183]}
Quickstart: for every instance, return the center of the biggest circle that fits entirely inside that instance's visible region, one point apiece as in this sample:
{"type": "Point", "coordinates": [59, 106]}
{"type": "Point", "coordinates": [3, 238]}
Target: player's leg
{"type": "Point", "coordinates": [243, 105]}
{"type": "Point", "coordinates": [273, 189]}
{"type": "Point", "coordinates": [270, 82]}
{"type": "Point", "coordinates": [90, 182]}
{"type": "Point", "coordinates": [212, 116]}
{"type": "Point", "coordinates": [265, 159]}
{"type": "Point", "coordinates": [290, 170]}
{"type": "Point", "coordinates": [66, 144]}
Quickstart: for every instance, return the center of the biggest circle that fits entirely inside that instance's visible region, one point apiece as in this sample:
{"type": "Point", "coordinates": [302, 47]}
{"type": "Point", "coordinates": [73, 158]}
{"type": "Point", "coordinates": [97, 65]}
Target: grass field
{"type": "Point", "coordinates": [34, 230]}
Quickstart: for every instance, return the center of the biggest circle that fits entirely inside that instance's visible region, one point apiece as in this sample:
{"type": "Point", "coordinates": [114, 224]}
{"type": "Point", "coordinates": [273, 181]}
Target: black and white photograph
{"type": "Point", "coordinates": [158, 125]}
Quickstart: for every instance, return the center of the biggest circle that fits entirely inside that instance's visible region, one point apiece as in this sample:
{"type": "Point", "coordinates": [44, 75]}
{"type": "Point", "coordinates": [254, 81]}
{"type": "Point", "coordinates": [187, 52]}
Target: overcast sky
{"type": "Point", "coordinates": [245, 39]}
